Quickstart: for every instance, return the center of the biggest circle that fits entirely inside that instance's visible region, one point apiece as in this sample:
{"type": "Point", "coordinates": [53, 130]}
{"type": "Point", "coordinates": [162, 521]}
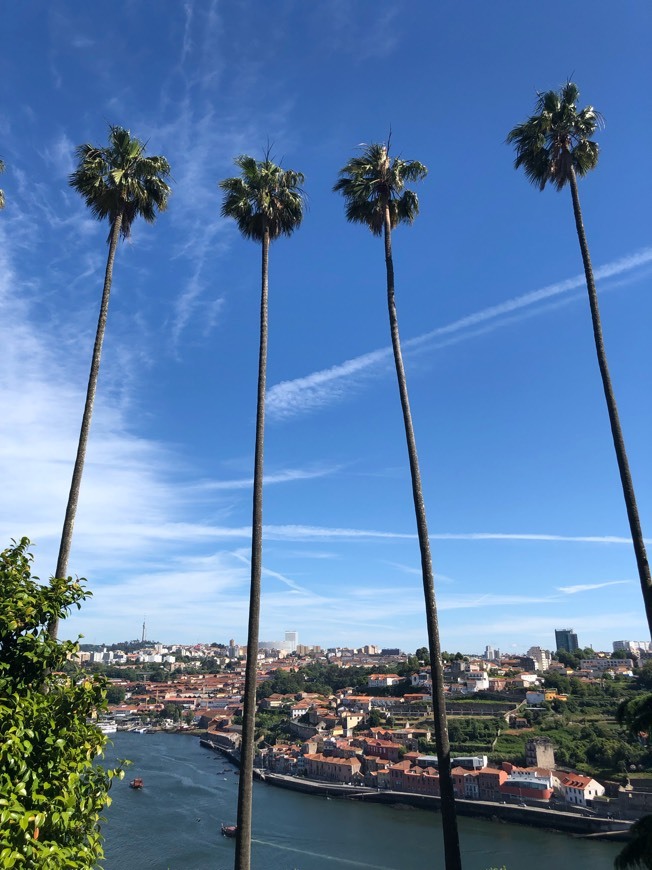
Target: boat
{"type": "Point", "coordinates": [229, 830]}
{"type": "Point", "coordinates": [107, 727]}
{"type": "Point", "coordinates": [136, 783]}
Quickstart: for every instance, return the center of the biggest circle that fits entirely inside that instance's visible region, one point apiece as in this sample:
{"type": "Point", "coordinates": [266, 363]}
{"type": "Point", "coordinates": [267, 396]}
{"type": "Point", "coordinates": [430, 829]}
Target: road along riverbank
{"type": "Point", "coordinates": [539, 817]}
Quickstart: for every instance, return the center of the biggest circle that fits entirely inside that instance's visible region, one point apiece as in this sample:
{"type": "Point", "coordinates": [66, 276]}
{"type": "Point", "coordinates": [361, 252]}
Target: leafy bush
{"type": "Point", "coordinates": [52, 791]}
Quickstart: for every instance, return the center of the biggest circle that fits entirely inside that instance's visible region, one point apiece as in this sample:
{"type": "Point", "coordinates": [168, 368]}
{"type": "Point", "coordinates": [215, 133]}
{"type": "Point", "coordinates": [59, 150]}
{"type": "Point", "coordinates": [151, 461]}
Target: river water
{"type": "Point", "coordinates": [174, 824]}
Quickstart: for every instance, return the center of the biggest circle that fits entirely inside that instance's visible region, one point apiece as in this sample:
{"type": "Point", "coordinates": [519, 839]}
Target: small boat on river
{"type": "Point", "coordinates": [136, 783]}
{"type": "Point", "coordinates": [229, 830]}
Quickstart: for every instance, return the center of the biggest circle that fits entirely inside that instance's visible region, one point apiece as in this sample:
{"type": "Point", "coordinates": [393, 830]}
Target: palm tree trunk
{"type": "Point", "coordinates": [616, 432]}
{"type": "Point", "coordinates": [449, 818]}
{"type": "Point", "coordinates": [245, 785]}
{"type": "Point", "coordinates": [78, 470]}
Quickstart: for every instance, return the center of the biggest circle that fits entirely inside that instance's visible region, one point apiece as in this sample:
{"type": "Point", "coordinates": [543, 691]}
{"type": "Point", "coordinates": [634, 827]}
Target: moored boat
{"type": "Point", "coordinates": [136, 783]}
{"type": "Point", "coordinates": [229, 830]}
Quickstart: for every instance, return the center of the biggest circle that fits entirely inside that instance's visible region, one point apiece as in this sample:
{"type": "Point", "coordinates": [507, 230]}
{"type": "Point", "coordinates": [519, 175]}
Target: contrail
{"type": "Point", "coordinates": [290, 398]}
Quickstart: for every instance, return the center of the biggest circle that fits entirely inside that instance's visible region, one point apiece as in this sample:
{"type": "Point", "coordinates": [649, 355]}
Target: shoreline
{"type": "Point", "coordinates": [576, 825]}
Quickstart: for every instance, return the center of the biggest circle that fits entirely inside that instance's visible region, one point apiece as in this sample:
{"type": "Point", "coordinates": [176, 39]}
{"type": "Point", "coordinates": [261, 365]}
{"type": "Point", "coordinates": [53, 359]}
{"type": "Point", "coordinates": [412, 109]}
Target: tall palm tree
{"type": "Point", "coordinates": [266, 202]}
{"type": "Point", "coordinates": [2, 193]}
{"type": "Point", "coordinates": [120, 183]}
{"type": "Point", "coordinates": [373, 186]}
{"type": "Point", "coordinates": [554, 145]}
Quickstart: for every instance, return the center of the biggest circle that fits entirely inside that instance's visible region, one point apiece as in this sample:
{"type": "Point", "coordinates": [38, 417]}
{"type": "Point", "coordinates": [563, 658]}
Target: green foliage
{"type": "Point", "coordinates": [52, 791]}
{"type": "Point", "coordinates": [373, 183]}
{"type": "Point", "coordinates": [635, 715]}
{"type": "Point", "coordinates": [119, 179]}
{"type": "Point", "coordinates": [263, 198]}
{"type": "Point", "coordinates": [555, 141]}
{"type": "Point", "coordinates": [115, 695]}
{"type": "Point", "coordinates": [644, 676]}
{"type": "Point", "coordinates": [637, 853]}
{"type": "Point", "coordinates": [316, 677]}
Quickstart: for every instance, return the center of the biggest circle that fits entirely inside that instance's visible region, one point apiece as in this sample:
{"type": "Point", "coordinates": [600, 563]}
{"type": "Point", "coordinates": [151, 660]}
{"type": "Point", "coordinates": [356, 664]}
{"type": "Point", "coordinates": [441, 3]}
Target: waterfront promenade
{"type": "Point", "coordinates": [540, 817]}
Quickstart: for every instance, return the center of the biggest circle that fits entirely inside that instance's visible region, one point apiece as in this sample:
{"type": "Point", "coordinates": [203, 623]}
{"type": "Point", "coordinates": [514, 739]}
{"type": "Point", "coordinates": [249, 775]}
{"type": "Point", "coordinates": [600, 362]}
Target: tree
{"type": "Point", "coordinates": [51, 790]}
{"type": "Point", "coordinates": [374, 188]}
{"type": "Point", "coordinates": [636, 716]}
{"type": "Point", "coordinates": [644, 676]}
{"type": "Point", "coordinates": [266, 202]}
{"type": "Point", "coordinates": [119, 183]}
{"type": "Point", "coordinates": [637, 853]}
{"type": "Point", "coordinates": [555, 145]}
{"type": "Point", "coordinates": [115, 694]}
{"type": "Point", "coordinates": [2, 193]}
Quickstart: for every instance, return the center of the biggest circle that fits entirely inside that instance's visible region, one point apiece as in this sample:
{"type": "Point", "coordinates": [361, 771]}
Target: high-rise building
{"type": "Point", "coordinates": [541, 657]}
{"type": "Point", "coordinates": [634, 647]}
{"type": "Point", "coordinates": [566, 639]}
{"type": "Point", "coordinates": [291, 641]}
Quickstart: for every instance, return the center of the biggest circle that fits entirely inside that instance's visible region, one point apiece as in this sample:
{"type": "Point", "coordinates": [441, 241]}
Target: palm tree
{"type": "Point", "coordinates": [373, 186]}
{"type": "Point", "coordinates": [120, 183]}
{"type": "Point", "coordinates": [638, 851]}
{"type": "Point", "coordinates": [636, 716]}
{"type": "Point", "coordinates": [2, 193]}
{"type": "Point", "coordinates": [554, 145]}
{"type": "Point", "coordinates": [266, 202]}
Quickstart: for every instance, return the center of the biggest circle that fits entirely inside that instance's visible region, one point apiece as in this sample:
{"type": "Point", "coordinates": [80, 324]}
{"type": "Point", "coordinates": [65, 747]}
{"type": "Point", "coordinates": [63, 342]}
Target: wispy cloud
{"type": "Point", "coordinates": [589, 587]}
{"type": "Point", "coordinates": [320, 389]}
{"type": "Point", "coordinates": [288, 476]}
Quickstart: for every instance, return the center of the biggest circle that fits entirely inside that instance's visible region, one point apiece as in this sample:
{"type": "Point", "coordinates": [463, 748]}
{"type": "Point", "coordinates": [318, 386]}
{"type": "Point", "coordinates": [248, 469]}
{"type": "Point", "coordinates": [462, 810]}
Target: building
{"type": "Point", "coordinates": [633, 647]}
{"type": "Point", "coordinates": [540, 657]}
{"type": "Point", "coordinates": [291, 641]}
{"type": "Point", "coordinates": [566, 639]}
{"type": "Point", "coordinates": [539, 752]}
{"type": "Point", "coordinates": [342, 770]}
{"type": "Point", "coordinates": [578, 789]}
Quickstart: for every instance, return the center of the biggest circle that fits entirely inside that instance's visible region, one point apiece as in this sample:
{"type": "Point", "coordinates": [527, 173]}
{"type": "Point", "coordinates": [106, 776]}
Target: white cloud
{"type": "Point", "coordinates": [588, 587]}
{"type": "Point", "coordinates": [287, 476]}
{"type": "Point", "coordinates": [319, 389]}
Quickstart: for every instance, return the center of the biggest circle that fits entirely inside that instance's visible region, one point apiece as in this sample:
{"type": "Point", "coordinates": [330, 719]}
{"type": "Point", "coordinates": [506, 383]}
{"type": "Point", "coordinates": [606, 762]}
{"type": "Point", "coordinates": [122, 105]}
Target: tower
{"type": "Point", "coordinates": [291, 640]}
{"type": "Point", "coordinates": [566, 639]}
{"type": "Point", "coordinates": [143, 637]}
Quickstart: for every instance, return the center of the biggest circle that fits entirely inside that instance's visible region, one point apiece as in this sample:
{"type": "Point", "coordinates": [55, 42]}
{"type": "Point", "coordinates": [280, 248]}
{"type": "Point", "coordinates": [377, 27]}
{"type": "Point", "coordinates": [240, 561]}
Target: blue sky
{"type": "Point", "coordinates": [524, 502]}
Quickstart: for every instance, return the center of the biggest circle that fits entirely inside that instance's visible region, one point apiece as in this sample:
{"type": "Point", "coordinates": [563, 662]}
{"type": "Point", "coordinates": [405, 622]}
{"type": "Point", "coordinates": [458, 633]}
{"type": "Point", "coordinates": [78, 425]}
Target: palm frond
{"type": "Point", "coordinates": [373, 182]}
{"type": "Point", "coordinates": [121, 179]}
{"type": "Point", "coordinates": [556, 140]}
{"type": "Point", "coordinates": [637, 853]}
{"type": "Point", "coordinates": [264, 197]}
{"type": "Point", "coordinates": [636, 715]}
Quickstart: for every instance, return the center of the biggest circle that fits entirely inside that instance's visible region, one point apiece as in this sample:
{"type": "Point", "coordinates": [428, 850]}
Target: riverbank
{"type": "Point", "coordinates": [539, 817]}
{"type": "Point", "coordinates": [174, 823]}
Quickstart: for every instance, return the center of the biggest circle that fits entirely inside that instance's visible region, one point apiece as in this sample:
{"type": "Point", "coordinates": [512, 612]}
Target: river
{"type": "Point", "coordinates": [174, 824]}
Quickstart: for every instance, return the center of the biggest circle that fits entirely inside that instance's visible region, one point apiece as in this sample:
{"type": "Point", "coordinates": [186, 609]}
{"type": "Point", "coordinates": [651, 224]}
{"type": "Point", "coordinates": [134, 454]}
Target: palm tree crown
{"type": "Point", "coordinates": [556, 139]}
{"type": "Point", "coordinates": [373, 182]}
{"type": "Point", "coordinates": [119, 179]}
{"type": "Point", "coordinates": [265, 197]}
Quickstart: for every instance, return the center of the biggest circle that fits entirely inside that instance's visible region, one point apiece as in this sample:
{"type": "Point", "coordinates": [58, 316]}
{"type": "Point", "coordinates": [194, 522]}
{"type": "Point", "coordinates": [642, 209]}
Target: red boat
{"type": "Point", "coordinates": [136, 783]}
{"type": "Point", "coordinates": [229, 830]}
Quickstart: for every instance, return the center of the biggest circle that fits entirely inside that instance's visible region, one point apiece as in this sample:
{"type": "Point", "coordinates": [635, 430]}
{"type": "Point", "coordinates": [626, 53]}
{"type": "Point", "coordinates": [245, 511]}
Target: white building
{"type": "Point", "coordinates": [578, 789]}
{"type": "Point", "coordinates": [542, 657]}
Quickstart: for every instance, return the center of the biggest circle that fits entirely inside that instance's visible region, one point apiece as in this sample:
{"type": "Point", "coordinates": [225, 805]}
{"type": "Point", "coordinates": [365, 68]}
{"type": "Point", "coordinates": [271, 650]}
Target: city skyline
{"type": "Point", "coordinates": [526, 517]}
